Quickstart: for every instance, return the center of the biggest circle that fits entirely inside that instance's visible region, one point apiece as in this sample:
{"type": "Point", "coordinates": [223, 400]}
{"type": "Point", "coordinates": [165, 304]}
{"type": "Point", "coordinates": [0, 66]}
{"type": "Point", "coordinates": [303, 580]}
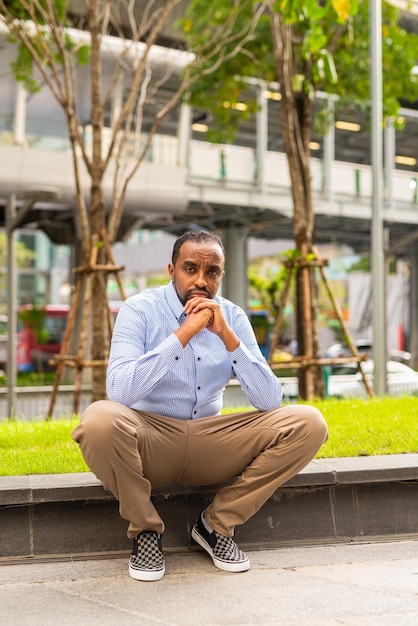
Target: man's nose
{"type": "Point", "coordinates": [201, 279]}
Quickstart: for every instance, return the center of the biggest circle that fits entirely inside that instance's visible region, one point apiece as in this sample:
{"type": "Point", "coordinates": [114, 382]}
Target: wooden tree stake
{"type": "Point", "coordinates": [83, 292]}
{"type": "Point", "coordinates": [307, 360]}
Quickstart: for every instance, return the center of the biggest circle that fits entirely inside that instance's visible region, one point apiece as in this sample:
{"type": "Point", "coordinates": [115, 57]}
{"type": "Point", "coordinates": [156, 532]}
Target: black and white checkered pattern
{"type": "Point", "coordinates": [224, 551]}
{"type": "Point", "coordinates": [227, 550]}
{"type": "Point", "coordinates": [147, 560]}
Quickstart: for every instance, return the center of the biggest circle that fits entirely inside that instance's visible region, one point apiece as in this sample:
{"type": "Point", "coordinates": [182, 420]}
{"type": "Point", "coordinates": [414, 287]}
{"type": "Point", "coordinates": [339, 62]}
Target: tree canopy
{"type": "Point", "coordinates": [330, 53]}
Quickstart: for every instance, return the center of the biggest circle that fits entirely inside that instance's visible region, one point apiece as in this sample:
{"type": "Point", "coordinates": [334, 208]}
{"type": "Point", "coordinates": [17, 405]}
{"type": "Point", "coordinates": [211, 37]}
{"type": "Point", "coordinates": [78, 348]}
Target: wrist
{"type": "Point", "coordinates": [231, 341]}
{"type": "Point", "coordinates": [182, 336]}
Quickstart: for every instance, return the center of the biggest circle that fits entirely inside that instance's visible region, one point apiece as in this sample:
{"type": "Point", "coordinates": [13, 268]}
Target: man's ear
{"type": "Point", "coordinates": [170, 270]}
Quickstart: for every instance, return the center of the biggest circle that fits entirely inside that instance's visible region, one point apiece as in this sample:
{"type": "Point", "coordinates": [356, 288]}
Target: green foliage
{"type": "Point", "coordinates": [83, 55]}
{"type": "Point", "coordinates": [315, 28]}
{"type": "Point", "coordinates": [363, 264]}
{"type": "Point", "coordinates": [265, 289]}
{"type": "Point", "coordinates": [43, 41]}
{"type": "Point", "coordinates": [399, 55]}
{"type": "Point", "coordinates": [155, 281]}
{"type": "Point", "coordinates": [314, 25]}
{"type": "Point", "coordinates": [22, 68]}
{"type": "Point", "coordinates": [34, 318]}
{"type": "Point", "coordinates": [24, 256]}
{"type": "Point", "coordinates": [266, 285]}
{"type": "Point", "coordinates": [221, 91]}
{"type": "Point", "coordinates": [37, 10]}
{"type": "Point", "coordinates": [31, 379]}
{"type": "Point", "coordinates": [330, 52]}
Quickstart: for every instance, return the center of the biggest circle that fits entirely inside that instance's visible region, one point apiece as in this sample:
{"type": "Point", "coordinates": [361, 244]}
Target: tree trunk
{"type": "Point", "coordinates": [98, 308]}
{"type": "Point", "coordinates": [297, 117]}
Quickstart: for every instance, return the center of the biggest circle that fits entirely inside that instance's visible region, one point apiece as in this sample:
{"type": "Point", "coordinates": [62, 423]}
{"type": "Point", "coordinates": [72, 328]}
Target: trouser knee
{"type": "Point", "coordinates": [315, 424]}
{"type": "Point", "coordinates": [96, 424]}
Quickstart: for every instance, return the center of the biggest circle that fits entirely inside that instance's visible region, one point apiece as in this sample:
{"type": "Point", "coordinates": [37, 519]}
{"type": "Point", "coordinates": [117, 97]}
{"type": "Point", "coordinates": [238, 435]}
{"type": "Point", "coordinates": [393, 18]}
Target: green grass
{"type": "Point", "coordinates": [370, 427]}
{"type": "Point", "coordinates": [356, 428]}
{"type": "Point", "coordinates": [32, 379]}
{"type": "Point", "coordinates": [41, 447]}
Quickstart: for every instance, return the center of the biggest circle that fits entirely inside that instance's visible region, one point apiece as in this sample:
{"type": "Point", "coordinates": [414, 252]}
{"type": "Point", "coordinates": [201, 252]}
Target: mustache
{"type": "Point", "coordinates": [191, 293]}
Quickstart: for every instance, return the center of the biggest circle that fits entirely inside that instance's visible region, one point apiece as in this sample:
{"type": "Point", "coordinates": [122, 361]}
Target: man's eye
{"type": "Point", "coordinates": [214, 273]}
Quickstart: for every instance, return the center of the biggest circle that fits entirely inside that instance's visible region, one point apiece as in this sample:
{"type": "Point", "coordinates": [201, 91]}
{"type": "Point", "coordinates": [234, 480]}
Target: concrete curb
{"type": "Point", "coordinates": [330, 500]}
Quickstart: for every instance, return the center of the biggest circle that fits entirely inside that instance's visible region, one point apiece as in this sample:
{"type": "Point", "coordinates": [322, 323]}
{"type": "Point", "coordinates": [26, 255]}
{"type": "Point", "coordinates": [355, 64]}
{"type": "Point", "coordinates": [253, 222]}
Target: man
{"type": "Point", "coordinates": [173, 351]}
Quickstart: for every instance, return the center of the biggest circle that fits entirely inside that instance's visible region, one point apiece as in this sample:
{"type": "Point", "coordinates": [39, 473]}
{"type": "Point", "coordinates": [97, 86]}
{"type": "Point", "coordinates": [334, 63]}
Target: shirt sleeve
{"type": "Point", "coordinates": [259, 383]}
{"type": "Point", "coordinates": [133, 370]}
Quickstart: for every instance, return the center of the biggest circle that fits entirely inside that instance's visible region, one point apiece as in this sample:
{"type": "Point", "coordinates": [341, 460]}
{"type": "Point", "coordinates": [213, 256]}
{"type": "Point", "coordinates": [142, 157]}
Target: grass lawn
{"type": "Point", "coordinates": [356, 428]}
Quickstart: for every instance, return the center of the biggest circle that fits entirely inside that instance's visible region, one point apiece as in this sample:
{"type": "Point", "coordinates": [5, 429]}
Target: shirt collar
{"type": "Point", "coordinates": [173, 300]}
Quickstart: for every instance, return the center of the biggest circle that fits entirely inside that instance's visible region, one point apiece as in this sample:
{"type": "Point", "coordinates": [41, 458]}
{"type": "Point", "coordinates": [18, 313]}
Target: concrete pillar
{"type": "Point", "coordinates": [184, 134]}
{"type": "Point", "coordinates": [412, 344]}
{"type": "Point", "coordinates": [19, 119]}
{"type": "Point", "coordinates": [235, 283]}
{"type": "Point", "coordinates": [261, 136]}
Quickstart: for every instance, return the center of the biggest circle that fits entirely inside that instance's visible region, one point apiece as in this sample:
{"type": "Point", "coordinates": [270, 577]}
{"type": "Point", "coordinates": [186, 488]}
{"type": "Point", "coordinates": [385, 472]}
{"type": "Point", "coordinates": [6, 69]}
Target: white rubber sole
{"type": "Point", "coordinates": [146, 575]}
{"type": "Point", "coordinates": [226, 566]}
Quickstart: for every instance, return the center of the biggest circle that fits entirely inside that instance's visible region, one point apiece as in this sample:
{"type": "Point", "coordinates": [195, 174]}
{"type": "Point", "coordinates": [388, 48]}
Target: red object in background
{"type": "Point", "coordinates": [35, 356]}
{"type": "Point", "coordinates": [32, 355]}
{"type": "Point", "coordinates": [25, 345]}
{"type": "Point", "coordinates": [401, 337]}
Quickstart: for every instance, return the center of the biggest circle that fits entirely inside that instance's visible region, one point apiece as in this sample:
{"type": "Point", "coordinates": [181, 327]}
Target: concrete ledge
{"type": "Point", "coordinates": [330, 500]}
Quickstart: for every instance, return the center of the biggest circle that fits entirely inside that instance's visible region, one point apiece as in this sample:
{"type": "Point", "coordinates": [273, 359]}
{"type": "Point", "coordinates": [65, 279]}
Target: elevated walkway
{"type": "Point", "coordinates": [331, 500]}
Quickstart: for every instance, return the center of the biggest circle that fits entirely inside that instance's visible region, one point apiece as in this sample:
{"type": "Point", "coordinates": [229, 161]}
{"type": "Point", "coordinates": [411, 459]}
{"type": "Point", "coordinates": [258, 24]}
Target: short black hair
{"type": "Point", "coordinates": [194, 235]}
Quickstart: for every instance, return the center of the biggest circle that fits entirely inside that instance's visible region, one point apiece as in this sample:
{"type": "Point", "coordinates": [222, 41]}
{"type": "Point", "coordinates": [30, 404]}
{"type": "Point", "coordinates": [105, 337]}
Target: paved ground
{"type": "Point", "coordinates": [367, 584]}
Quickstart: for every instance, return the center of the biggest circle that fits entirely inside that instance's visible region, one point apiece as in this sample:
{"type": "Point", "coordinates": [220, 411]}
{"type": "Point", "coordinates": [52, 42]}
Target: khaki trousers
{"type": "Point", "coordinates": [132, 452]}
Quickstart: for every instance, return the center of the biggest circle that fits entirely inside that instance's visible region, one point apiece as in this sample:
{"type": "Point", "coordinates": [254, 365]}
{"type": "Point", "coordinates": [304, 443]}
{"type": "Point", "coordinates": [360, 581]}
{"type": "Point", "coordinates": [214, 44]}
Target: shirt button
{"type": "Point", "coordinates": [176, 358]}
{"type": "Point", "coordinates": [194, 412]}
{"type": "Point", "coordinates": [234, 362]}
{"type": "Point", "coordinates": [198, 358]}
{"type": "Point", "coordinates": [198, 388]}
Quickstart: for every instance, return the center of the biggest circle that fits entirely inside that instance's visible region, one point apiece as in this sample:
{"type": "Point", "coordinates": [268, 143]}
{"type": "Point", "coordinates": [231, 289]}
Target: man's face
{"type": "Point", "coordinates": [198, 270]}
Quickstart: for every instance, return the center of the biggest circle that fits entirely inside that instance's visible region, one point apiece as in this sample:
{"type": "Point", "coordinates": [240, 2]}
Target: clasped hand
{"type": "Point", "coordinates": [204, 313]}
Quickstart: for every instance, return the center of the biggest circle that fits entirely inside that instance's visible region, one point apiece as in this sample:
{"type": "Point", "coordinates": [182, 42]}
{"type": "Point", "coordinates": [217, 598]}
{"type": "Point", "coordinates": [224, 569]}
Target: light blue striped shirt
{"type": "Point", "coordinates": [150, 370]}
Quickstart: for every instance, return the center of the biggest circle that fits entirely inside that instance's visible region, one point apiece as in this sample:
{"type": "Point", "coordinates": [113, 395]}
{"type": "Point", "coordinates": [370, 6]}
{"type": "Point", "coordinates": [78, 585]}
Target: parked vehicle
{"type": "Point", "coordinates": [346, 381]}
{"type": "Point", "coordinates": [364, 346]}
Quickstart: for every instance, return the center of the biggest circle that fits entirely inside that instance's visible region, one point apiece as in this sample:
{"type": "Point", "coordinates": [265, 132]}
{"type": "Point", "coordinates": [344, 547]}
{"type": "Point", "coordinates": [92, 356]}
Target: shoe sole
{"type": "Point", "coordinates": [226, 566]}
{"type": "Point", "coordinates": [146, 575]}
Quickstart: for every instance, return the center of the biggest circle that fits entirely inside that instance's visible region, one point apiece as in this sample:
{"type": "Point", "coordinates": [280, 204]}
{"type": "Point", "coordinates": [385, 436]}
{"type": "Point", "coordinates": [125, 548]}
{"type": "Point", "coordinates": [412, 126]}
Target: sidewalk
{"type": "Point", "coordinates": [361, 584]}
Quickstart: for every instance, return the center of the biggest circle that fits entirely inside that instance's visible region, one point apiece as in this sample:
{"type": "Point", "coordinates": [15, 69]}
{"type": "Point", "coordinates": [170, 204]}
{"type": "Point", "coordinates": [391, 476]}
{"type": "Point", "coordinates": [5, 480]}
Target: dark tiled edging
{"type": "Point", "coordinates": [330, 500]}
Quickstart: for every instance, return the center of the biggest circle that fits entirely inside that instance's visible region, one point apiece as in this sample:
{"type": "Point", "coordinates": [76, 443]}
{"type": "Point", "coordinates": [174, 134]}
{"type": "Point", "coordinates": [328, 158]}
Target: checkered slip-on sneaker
{"type": "Point", "coordinates": [147, 560]}
{"type": "Point", "coordinates": [224, 551]}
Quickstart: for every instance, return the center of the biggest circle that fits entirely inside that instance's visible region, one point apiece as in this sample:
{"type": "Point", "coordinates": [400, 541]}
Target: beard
{"type": "Point", "coordinates": [192, 293]}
